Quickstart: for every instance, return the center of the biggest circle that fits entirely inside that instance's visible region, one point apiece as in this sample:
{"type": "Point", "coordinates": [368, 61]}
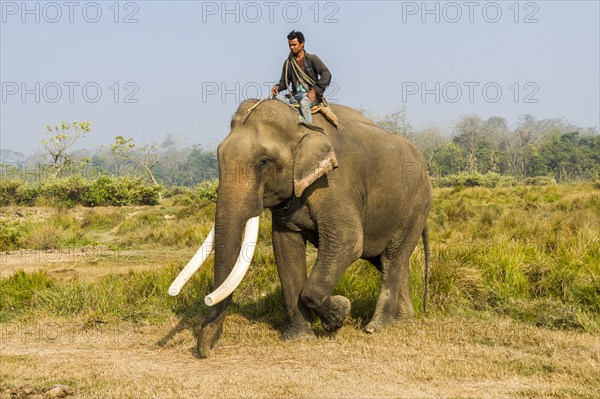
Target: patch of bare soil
{"type": "Point", "coordinates": [432, 358]}
{"type": "Point", "coordinates": [29, 392]}
{"type": "Point", "coordinates": [88, 261]}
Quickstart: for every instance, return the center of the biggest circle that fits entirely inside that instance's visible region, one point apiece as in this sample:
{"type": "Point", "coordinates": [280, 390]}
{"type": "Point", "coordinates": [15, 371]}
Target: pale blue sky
{"type": "Point", "coordinates": [489, 58]}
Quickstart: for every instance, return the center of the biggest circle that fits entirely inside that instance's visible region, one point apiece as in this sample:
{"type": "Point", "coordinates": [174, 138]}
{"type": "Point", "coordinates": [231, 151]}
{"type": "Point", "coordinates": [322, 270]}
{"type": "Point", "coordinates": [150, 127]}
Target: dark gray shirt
{"type": "Point", "coordinates": [315, 68]}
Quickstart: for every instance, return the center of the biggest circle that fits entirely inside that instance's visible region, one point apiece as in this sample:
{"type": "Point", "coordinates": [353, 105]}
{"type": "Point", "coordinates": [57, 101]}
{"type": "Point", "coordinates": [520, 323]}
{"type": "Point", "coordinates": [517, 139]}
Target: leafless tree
{"type": "Point", "coordinates": [429, 140]}
{"type": "Point", "coordinates": [147, 155]}
{"type": "Point", "coordinates": [395, 123]}
{"type": "Point", "coordinates": [59, 139]}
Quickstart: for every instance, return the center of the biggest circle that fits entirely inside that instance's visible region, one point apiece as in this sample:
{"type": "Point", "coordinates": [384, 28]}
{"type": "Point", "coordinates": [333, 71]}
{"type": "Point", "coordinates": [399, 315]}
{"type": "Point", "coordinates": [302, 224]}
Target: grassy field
{"type": "Point", "coordinates": [514, 306]}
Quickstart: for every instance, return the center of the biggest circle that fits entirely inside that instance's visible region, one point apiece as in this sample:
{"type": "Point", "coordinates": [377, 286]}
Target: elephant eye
{"type": "Point", "coordinates": [262, 162]}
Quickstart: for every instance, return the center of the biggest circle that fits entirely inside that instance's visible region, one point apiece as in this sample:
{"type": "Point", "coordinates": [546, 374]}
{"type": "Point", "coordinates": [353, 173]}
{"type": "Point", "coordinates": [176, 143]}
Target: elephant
{"type": "Point", "coordinates": [353, 192]}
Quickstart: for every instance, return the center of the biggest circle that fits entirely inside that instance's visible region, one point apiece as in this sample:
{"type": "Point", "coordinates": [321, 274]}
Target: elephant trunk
{"type": "Point", "coordinates": [231, 216]}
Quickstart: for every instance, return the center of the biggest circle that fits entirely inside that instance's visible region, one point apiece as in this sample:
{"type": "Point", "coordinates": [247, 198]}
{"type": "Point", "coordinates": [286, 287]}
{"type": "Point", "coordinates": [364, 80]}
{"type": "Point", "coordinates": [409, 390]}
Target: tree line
{"type": "Point", "coordinates": [534, 147]}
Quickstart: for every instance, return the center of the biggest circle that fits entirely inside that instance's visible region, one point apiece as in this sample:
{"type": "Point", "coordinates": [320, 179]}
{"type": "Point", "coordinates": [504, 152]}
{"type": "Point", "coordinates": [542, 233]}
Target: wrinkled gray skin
{"type": "Point", "coordinates": [357, 192]}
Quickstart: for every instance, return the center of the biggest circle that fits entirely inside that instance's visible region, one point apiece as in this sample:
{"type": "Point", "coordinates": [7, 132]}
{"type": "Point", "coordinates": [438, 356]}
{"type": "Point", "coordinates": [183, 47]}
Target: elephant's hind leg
{"type": "Point", "coordinates": [394, 302]}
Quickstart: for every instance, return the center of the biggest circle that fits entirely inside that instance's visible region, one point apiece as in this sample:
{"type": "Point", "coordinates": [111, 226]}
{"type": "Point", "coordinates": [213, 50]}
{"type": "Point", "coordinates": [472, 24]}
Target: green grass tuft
{"type": "Point", "coordinates": [18, 293]}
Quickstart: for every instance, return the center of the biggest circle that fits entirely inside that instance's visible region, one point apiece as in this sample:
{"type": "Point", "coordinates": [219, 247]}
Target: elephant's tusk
{"type": "Point", "coordinates": [194, 264]}
{"type": "Point", "coordinates": [240, 268]}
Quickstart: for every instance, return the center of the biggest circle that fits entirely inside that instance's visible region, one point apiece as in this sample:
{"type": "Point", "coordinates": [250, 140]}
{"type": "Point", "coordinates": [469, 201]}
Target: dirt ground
{"type": "Point", "coordinates": [477, 355]}
{"type": "Point", "coordinates": [438, 357]}
{"type": "Point", "coordinates": [90, 261]}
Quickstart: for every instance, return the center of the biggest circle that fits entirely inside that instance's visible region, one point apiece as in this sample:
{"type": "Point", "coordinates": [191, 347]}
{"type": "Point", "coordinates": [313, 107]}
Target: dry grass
{"type": "Point", "coordinates": [458, 357]}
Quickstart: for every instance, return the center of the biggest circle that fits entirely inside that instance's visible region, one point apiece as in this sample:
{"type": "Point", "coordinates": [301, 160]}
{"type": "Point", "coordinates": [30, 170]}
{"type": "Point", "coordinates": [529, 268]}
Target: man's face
{"type": "Point", "coordinates": [295, 46]}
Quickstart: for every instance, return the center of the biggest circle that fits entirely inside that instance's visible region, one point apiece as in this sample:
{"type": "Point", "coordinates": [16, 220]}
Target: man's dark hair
{"type": "Point", "coordinates": [296, 35]}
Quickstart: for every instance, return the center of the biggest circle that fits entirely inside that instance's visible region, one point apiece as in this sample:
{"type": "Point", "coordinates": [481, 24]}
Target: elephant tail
{"type": "Point", "coordinates": [425, 237]}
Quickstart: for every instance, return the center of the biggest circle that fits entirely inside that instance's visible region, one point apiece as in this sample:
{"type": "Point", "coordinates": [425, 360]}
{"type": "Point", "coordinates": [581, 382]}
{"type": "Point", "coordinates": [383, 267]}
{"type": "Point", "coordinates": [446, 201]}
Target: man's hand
{"type": "Point", "coordinates": [312, 95]}
{"type": "Point", "coordinates": [275, 90]}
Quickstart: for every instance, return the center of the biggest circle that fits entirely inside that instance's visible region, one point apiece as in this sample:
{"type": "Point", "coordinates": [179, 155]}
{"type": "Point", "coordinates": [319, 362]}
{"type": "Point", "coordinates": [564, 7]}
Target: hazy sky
{"type": "Point", "coordinates": [144, 69]}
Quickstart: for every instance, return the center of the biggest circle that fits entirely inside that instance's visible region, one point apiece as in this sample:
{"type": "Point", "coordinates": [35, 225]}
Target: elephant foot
{"type": "Point", "coordinates": [208, 337]}
{"type": "Point", "coordinates": [337, 310]}
{"type": "Point", "coordinates": [295, 333]}
{"type": "Point", "coordinates": [405, 314]}
{"type": "Point", "coordinates": [372, 328]}
{"type": "Point", "coordinates": [379, 323]}
{"type": "Point", "coordinates": [405, 319]}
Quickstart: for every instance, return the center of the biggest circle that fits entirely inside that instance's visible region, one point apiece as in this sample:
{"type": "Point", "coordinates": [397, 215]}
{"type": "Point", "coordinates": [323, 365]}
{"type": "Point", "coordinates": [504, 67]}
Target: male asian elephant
{"type": "Point", "coordinates": [353, 192]}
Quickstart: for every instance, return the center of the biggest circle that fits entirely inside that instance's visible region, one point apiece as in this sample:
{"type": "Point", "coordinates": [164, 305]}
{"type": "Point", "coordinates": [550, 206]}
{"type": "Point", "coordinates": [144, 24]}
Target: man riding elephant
{"type": "Point", "coordinates": [304, 75]}
{"type": "Point", "coordinates": [357, 192]}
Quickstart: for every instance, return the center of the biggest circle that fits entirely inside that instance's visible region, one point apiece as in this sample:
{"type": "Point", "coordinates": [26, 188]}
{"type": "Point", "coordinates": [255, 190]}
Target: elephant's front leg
{"type": "Point", "coordinates": [337, 251]}
{"type": "Point", "coordinates": [290, 256]}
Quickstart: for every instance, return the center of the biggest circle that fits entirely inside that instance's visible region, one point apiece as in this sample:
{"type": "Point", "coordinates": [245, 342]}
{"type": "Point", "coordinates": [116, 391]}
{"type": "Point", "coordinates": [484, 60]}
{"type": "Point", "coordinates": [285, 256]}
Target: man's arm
{"type": "Point", "coordinates": [323, 74]}
{"type": "Point", "coordinates": [282, 85]}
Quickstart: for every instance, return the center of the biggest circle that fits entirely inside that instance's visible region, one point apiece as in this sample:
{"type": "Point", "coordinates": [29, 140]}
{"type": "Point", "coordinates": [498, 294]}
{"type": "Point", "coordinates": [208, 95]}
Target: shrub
{"type": "Point", "coordinates": [27, 195]}
{"type": "Point", "coordinates": [8, 191]}
{"type": "Point", "coordinates": [74, 190]}
{"type": "Point", "coordinates": [203, 194]}
{"type": "Point", "coordinates": [127, 191]}
{"type": "Point", "coordinates": [169, 192]}
{"type": "Point", "coordinates": [540, 181]}
{"type": "Point", "coordinates": [132, 191]}
{"type": "Point", "coordinates": [100, 192]}
{"type": "Point", "coordinates": [67, 191]}
{"type": "Point", "coordinates": [12, 234]}
{"type": "Point", "coordinates": [465, 179]}
{"type": "Point", "coordinates": [208, 191]}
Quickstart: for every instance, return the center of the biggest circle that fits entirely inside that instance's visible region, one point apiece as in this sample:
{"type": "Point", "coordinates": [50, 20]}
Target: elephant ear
{"type": "Point", "coordinates": [314, 158]}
